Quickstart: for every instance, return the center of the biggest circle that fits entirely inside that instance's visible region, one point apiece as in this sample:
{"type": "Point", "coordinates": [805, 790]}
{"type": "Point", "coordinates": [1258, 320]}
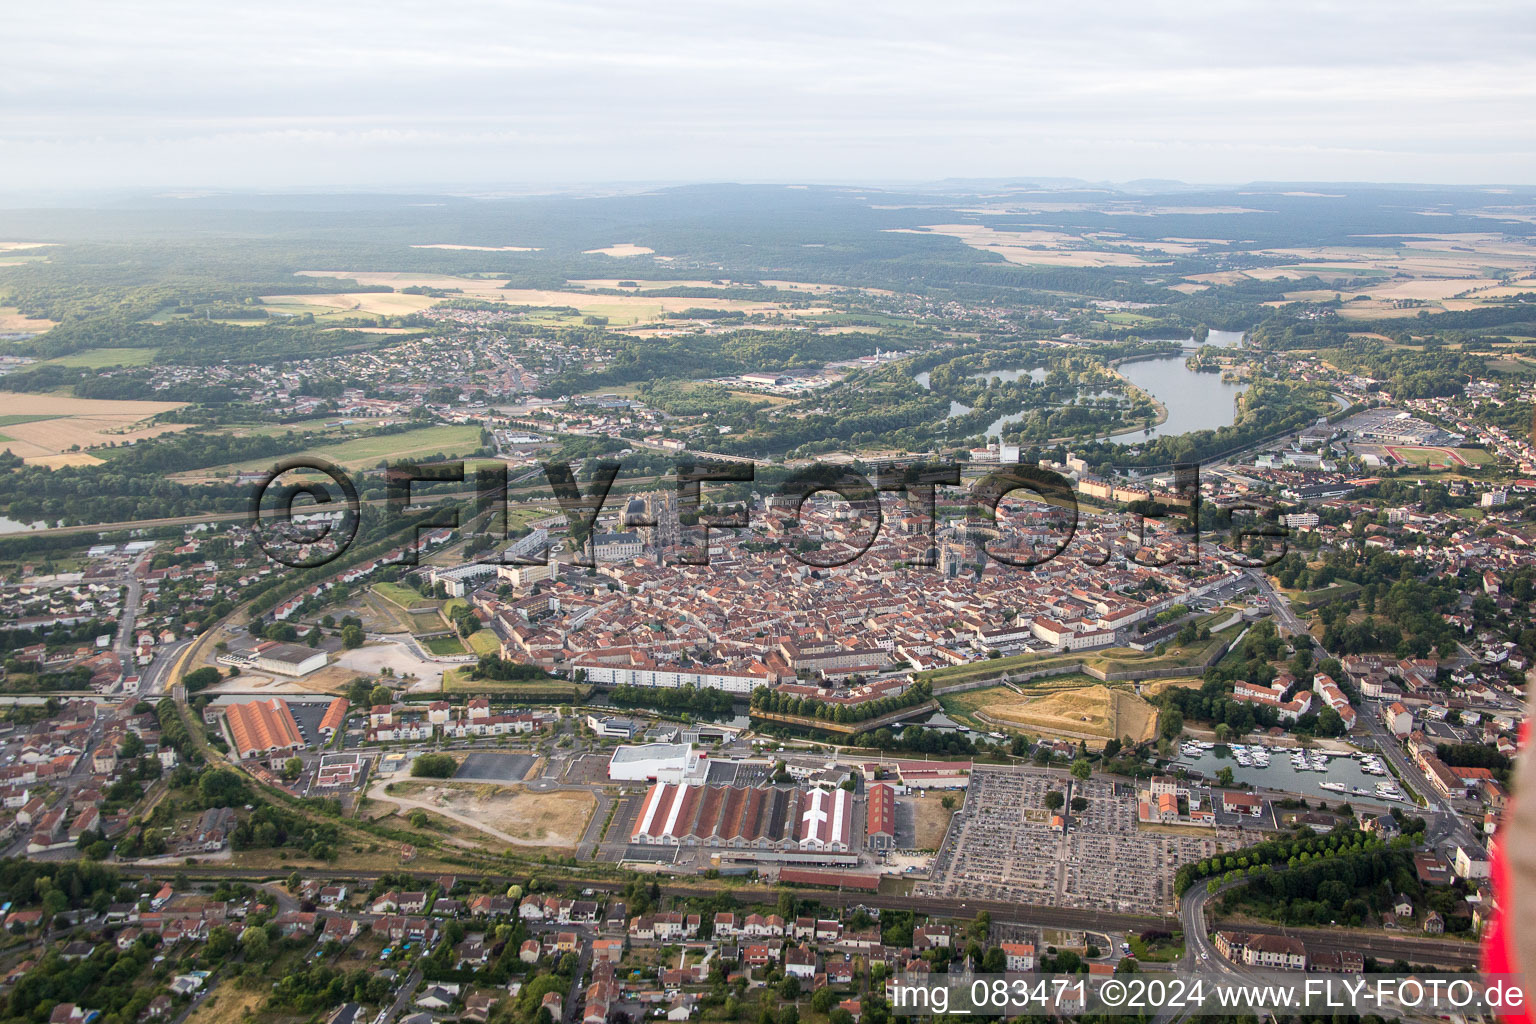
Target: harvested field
{"type": "Point", "coordinates": [388, 303]}
{"type": "Point", "coordinates": [1047, 248]}
{"type": "Point", "coordinates": [64, 423]}
{"type": "Point", "coordinates": [70, 459]}
{"type": "Point", "coordinates": [13, 322]}
{"type": "Point", "coordinates": [479, 248]}
{"type": "Point", "coordinates": [621, 250]}
{"type": "Point", "coordinates": [621, 310]}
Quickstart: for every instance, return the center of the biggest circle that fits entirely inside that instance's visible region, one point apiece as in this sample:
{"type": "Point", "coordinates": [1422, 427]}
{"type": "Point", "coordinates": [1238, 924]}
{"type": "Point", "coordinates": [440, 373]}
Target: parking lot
{"type": "Point", "coordinates": [1002, 847]}
{"type": "Point", "coordinates": [308, 715]}
{"type": "Point", "coordinates": [489, 766]}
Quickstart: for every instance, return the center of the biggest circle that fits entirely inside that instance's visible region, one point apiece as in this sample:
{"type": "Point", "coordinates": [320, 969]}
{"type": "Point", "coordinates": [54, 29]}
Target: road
{"type": "Point", "coordinates": [403, 995]}
{"type": "Point", "coordinates": [1446, 828]}
{"type": "Point", "coordinates": [125, 622]}
{"type": "Point", "coordinates": [575, 1005]}
{"type": "Point", "coordinates": [155, 680]}
{"type": "Point", "coordinates": [1290, 624]}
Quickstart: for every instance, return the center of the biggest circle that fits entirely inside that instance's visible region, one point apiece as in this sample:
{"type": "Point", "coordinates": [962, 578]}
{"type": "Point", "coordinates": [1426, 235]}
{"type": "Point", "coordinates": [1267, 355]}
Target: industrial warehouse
{"type": "Point", "coordinates": [762, 819]}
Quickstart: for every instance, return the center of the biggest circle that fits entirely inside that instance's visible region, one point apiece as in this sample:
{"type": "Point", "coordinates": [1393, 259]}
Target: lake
{"type": "Point", "coordinates": [1195, 401]}
{"type": "Point", "coordinates": [1221, 339]}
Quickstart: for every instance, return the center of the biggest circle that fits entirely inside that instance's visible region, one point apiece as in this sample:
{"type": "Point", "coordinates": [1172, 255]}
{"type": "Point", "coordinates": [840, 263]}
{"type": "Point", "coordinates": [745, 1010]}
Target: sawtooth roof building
{"type": "Point", "coordinates": [746, 818]}
{"type": "Point", "coordinates": [262, 727]}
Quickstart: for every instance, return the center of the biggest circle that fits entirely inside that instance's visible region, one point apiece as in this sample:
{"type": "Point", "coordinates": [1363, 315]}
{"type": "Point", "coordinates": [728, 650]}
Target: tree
{"type": "Point", "coordinates": [1054, 799]}
{"type": "Point", "coordinates": [1079, 803]}
{"type": "Point", "coordinates": [292, 768]}
{"type": "Point", "coordinates": [1081, 769]}
{"type": "Point", "coordinates": [381, 695]}
{"type": "Point", "coordinates": [221, 787]}
{"type": "Point", "coordinates": [351, 636]}
{"type": "Point", "coordinates": [1171, 723]}
{"type": "Point", "coordinates": [1224, 777]}
{"type": "Point", "coordinates": [254, 941]}
{"type": "Point", "coordinates": [434, 766]}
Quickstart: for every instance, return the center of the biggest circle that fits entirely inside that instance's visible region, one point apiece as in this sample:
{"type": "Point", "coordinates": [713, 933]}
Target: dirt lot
{"type": "Point", "coordinates": [370, 659]}
{"type": "Point", "coordinates": [930, 817]}
{"type": "Point", "coordinates": [1094, 712]}
{"type": "Point", "coordinates": [87, 422]}
{"type": "Point", "coordinates": [523, 818]}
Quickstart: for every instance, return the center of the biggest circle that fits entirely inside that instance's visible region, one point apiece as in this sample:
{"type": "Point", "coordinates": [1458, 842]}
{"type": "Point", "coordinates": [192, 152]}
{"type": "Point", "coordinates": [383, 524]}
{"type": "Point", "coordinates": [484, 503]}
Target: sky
{"type": "Point", "coordinates": [384, 94]}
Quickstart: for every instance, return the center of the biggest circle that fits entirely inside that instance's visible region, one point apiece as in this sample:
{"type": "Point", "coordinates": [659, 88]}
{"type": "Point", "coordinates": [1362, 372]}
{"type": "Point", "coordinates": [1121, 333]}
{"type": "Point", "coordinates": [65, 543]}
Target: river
{"type": "Point", "coordinates": [8, 525]}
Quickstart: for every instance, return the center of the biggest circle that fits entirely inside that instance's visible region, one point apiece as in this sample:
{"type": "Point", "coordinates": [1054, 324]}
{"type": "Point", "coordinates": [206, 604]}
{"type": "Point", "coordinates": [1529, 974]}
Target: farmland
{"type": "Point", "coordinates": [100, 358]}
{"type": "Point", "coordinates": [41, 426]}
{"type": "Point", "coordinates": [620, 310]}
{"type": "Point", "coordinates": [369, 450]}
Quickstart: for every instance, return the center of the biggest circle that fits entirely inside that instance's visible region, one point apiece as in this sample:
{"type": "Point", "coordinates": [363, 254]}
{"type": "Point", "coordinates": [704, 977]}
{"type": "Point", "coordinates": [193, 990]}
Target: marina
{"type": "Point", "coordinates": [1305, 772]}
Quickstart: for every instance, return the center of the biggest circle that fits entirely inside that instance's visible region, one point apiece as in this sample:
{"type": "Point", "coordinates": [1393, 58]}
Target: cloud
{"type": "Point", "coordinates": [283, 94]}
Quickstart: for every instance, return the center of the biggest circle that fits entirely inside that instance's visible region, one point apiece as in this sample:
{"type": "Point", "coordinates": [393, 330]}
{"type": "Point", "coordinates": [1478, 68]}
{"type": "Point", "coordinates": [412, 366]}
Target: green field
{"type": "Point", "coordinates": [548, 689]}
{"type": "Point", "coordinates": [366, 451]}
{"type": "Point", "coordinates": [403, 597]}
{"type": "Point", "coordinates": [99, 358]}
{"type": "Point", "coordinates": [371, 449]}
{"type": "Point", "coordinates": [17, 420]}
{"type": "Point", "coordinates": [444, 645]}
{"type": "Point", "coordinates": [314, 425]}
{"type": "Point", "coordinates": [484, 641]}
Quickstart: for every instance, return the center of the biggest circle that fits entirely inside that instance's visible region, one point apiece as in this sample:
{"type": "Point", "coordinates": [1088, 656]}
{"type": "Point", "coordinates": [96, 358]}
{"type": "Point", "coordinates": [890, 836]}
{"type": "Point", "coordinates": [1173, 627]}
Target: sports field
{"type": "Point", "coordinates": [1442, 458]}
